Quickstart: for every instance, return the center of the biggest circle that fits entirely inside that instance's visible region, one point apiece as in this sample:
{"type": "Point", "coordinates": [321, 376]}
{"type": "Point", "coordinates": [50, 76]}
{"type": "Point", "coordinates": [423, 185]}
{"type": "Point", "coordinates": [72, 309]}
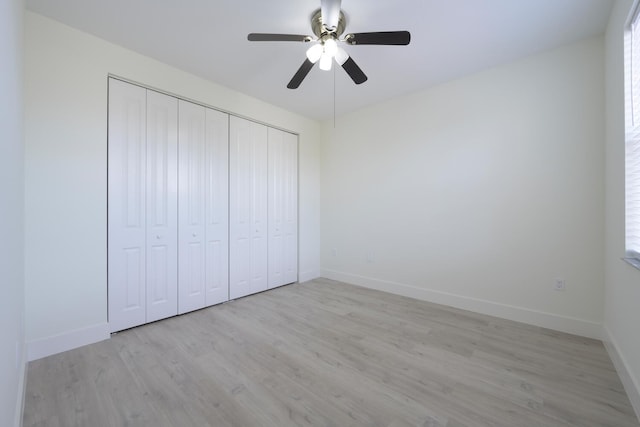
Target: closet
{"type": "Point", "coordinates": [202, 206]}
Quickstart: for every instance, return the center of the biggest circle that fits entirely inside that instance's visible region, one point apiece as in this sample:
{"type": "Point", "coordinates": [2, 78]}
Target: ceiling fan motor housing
{"type": "Point", "coordinates": [320, 30]}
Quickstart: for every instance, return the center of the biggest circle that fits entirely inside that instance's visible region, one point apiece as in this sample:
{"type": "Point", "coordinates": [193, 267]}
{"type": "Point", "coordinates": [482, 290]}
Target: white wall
{"type": "Point", "coordinates": [622, 302]}
{"type": "Point", "coordinates": [12, 362]}
{"type": "Point", "coordinates": [478, 193]}
{"type": "Point", "coordinates": [66, 174]}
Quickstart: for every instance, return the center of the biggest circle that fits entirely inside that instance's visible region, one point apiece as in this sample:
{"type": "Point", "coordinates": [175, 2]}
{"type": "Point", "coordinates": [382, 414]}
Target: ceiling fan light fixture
{"type": "Point", "coordinates": [325, 62]}
{"type": "Point", "coordinates": [330, 47]}
{"type": "Point", "coordinates": [314, 53]}
{"type": "Point", "coordinates": [328, 24]}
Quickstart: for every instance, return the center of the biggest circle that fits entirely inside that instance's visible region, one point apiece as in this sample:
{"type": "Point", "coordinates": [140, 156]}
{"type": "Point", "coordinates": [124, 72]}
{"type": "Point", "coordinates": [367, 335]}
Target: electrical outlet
{"type": "Point", "coordinates": [560, 285]}
{"type": "Point", "coordinates": [334, 252]}
{"type": "Point", "coordinates": [370, 257]}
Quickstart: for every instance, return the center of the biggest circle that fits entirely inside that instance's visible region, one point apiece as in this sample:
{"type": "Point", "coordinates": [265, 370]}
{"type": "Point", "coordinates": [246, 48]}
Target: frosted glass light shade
{"type": "Point", "coordinates": [314, 53]}
{"type": "Point", "coordinates": [325, 62]}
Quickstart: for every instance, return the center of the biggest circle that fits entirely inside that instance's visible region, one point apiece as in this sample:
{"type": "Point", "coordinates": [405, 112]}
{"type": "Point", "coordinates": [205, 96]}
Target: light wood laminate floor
{"type": "Point", "coordinates": [324, 353]}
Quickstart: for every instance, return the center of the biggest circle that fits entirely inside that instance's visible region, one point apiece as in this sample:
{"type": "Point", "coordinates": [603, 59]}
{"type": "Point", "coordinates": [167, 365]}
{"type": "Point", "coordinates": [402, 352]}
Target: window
{"type": "Point", "coordinates": [632, 144]}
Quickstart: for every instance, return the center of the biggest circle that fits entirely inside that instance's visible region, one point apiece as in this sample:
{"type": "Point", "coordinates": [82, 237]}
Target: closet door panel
{"type": "Point", "coordinates": [276, 207]}
{"type": "Point", "coordinates": [126, 207]}
{"type": "Point", "coordinates": [217, 207]}
{"type": "Point", "coordinates": [259, 211]}
{"type": "Point", "coordinates": [191, 206]}
{"type": "Point", "coordinates": [283, 208]}
{"type": "Point", "coordinates": [248, 207]}
{"type": "Point", "coordinates": [162, 206]}
{"type": "Point", "coordinates": [290, 207]}
{"type": "Point", "coordinates": [240, 205]}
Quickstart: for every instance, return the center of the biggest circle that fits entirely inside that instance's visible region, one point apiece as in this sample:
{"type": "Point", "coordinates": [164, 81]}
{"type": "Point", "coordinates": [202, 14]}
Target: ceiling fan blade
{"type": "Point", "coordinates": [356, 74]}
{"type": "Point", "coordinates": [266, 37]}
{"type": "Point", "coordinates": [398, 38]}
{"type": "Point", "coordinates": [330, 12]}
{"type": "Point", "coordinates": [299, 76]}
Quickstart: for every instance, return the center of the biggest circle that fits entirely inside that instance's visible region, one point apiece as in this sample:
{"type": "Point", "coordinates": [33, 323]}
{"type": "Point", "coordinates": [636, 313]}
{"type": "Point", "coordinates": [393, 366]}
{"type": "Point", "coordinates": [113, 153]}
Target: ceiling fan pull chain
{"type": "Point", "coordinates": [334, 97]}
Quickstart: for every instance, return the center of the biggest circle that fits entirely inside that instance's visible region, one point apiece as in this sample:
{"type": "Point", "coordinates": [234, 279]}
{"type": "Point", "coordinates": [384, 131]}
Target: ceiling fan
{"type": "Point", "coordinates": [328, 24]}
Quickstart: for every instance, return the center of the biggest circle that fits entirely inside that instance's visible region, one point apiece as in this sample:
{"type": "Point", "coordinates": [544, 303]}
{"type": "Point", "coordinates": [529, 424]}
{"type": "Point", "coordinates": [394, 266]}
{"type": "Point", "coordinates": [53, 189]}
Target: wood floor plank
{"type": "Point", "coordinates": [325, 353]}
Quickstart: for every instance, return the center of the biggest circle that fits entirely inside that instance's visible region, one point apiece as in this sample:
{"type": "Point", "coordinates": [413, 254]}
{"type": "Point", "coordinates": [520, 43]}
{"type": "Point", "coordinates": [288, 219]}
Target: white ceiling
{"type": "Point", "coordinates": [449, 39]}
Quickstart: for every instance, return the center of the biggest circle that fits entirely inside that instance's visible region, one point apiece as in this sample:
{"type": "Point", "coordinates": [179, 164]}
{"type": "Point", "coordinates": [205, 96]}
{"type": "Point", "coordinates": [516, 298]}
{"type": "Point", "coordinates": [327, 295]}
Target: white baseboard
{"type": "Point", "coordinates": [22, 389]}
{"type": "Point", "coordinates": [585, 328]}
{"type": "Point", "coordinates": [629, 381]}
{"type": "Point", "coordinates": [305, 276]}
{"type": "Point", "coordinates": [44, 347]}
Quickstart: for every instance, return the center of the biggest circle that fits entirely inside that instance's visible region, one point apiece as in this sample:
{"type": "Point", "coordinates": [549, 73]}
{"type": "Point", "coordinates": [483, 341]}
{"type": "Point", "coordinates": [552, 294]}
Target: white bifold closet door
{"type": "Point", "coordinates": [248, 228]}
{"type": "Point", "coordinates": [142, 208]}
{"type": "Point", "coordinates": [283, 207]}
{"type": "Point", "coordinates": [202, 206]}
{"type": "Point", "coordinates": [162, 206]}
{"type": "Point", "coordinates": [203, 256]}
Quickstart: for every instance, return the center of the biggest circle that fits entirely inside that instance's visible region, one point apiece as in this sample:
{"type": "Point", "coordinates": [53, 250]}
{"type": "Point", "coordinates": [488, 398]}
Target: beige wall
{"type": "Point", "coordinates": [478, 193]}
